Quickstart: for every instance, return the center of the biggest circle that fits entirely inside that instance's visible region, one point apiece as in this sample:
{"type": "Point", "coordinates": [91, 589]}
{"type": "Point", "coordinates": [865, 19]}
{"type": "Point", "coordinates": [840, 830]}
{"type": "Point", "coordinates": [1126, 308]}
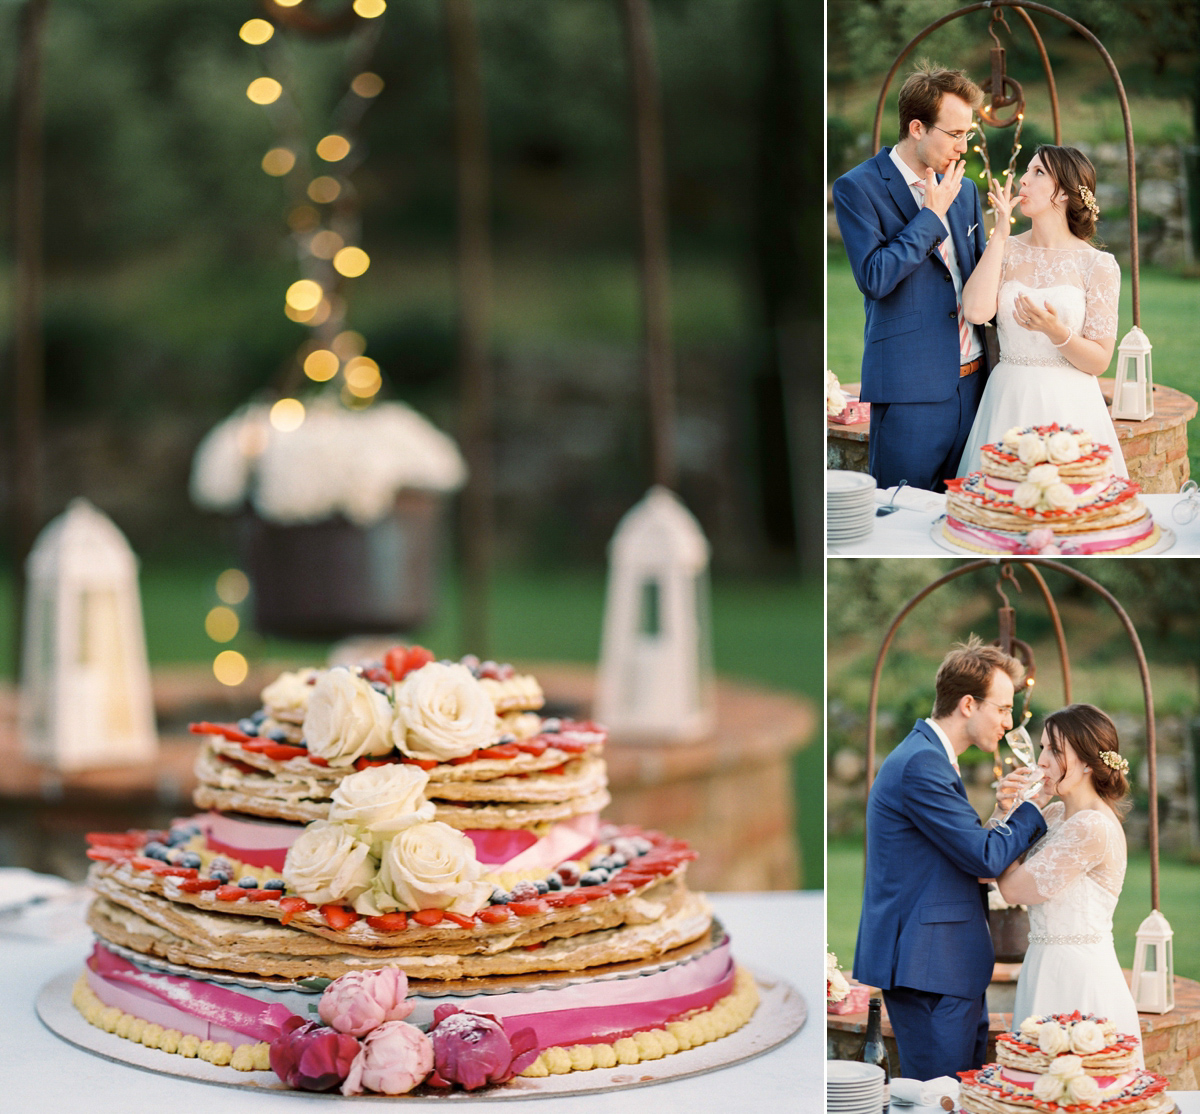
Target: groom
{"type": "Point", "coordinates": [923, 934]}
{"type": "Point", "coordinates": [913, 236]}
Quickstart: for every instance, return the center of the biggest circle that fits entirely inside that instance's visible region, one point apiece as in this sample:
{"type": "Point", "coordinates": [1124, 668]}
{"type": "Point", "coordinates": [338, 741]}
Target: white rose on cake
{"type": "Point", "coordinates": [1060, 497]}
{"type": "Point", "coordinates": [430, 866]}
{"type": "Point", "coordinates": [442, 712]}
{"type": "Point", "coordinates": [1065, 1067]}
{"type": "Point", "coordinates": [1026, 494]}
{"type": "Point", "coordinates": [1011, 439]}
{"type": "Point", "coordinates": [328, 865]}
{"type": "Point", "coordinates": [1043, 475]}
{"type": "Point", "coordinates": [1053, 1040]}
{"type": "Point", "coordinates": [1087, 1037]}
{"type": "Point", "coordinates": [1083, 1089]}
{"type": "Point", "coordinates": [1049, 1088]}
{"type": "Point", "coordinates": [288, 694]}
{"type": "Point", "coordinates": [346, 719]}
{"type": "Point", "coordinates": [380, 801]}
{"type": "Point", "coordinates": [1062, 447]}
{"type": "Point", "coordinates": [1031, 449]}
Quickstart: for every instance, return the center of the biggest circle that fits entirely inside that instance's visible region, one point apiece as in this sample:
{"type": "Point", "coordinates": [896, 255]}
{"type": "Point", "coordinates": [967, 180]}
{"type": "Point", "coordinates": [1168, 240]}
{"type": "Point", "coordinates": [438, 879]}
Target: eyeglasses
{"type": "Point", "coordinates": [958, 137]}
{"type": "Point", "coordinates": [1003, 709]}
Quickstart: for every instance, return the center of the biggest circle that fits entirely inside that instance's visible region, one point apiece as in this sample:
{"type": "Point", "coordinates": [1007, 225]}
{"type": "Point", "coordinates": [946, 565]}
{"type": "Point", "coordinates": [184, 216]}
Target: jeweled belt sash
{"type": "Point", "coordinates": [1070, 937]}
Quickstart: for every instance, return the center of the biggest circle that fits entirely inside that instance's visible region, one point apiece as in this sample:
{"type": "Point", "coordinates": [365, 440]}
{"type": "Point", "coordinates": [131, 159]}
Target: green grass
{"type": "Point", "coordinates": [765, 631]}
{"type": "Point", "coordinates": [1179, 892]}
{"type": "Point", "coordinates": [1170, 305]}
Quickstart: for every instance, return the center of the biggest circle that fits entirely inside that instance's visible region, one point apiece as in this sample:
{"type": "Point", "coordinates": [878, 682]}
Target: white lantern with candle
{"type": "Point", "coordinates": [1153, 982]}
{"type": "Point", "coordinates": [655, 677]}
{"type": "Point", "coordinates": [1133, 394]}
{"type": "Point", "coordinates": [85, 679]}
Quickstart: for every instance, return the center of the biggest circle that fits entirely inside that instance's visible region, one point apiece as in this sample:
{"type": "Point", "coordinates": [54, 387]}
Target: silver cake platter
{"type": "Point", "coordinates": [781, 1013]}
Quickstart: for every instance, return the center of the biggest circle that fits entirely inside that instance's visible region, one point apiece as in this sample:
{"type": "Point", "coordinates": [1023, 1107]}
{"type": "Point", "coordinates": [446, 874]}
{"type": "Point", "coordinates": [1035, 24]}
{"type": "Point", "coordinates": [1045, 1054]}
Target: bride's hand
{"type": "Point", "coordinates": [1002, 203]}
{"type": "Point", "coordinates": [1009, 788]}
{"type": "Point", "coordinates": [1037, 319]}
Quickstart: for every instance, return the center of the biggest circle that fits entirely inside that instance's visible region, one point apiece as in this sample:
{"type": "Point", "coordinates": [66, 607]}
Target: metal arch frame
{"type": "Point", "coordinates": [1031, 565]}
{"type": "Point", "coordinates": [1020, 7]}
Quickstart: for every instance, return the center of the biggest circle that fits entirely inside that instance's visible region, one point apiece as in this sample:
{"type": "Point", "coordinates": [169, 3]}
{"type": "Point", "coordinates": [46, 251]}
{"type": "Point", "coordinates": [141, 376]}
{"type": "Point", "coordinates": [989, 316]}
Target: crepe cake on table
{"type": "Point", "coordinates": [412, 814]}
{"type": "Point", "coordinates": [1047, 489]}
{"type": "Point", "coordinates": [1064, 1062]}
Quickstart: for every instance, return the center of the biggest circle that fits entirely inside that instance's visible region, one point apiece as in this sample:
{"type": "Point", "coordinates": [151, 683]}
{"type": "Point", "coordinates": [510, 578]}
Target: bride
{"type": "Point", "coordinates": [1071, 878]}
{"type": "Point", "coordinates": [1054, 298]}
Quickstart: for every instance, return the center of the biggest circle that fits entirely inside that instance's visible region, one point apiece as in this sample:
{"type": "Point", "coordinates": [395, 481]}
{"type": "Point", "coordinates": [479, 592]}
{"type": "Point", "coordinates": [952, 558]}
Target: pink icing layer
{"type": "Point", "coordinates": [266, 842]}
{"type": "Point", "coordinates": [203, 1009]}
{"type": "Point", "coordinates": [583, 1013]}
{"type": "Point", "coordinates": [1007, 487]}
{"type": "Point", "coordinates": [1101, 542]}
{"type": "Point", "coordinates": [1028, 1078]}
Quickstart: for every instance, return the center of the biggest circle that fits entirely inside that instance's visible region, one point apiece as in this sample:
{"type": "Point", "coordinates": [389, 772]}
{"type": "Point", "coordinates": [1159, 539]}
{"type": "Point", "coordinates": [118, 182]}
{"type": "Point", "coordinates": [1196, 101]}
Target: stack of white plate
{"type": "Point", "coordinates": [853, 1088]}
{"type": "Point", "coordinates": [850, 506]}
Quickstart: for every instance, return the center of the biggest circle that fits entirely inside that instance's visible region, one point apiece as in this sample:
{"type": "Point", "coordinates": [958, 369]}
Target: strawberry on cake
{"type": "Point", "coordinates": [1047, 489]}
{"type": "Point", "coordinates": [1064, 1062]}
{"type": "Point", "coordinates": [415, 825]}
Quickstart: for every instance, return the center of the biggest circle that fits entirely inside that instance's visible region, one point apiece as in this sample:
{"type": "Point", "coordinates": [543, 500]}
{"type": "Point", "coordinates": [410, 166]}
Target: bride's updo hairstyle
{"type": "Point", "coordinates": [1090, 733]}
{"type": "Point", "coordinates": [1071, 169]}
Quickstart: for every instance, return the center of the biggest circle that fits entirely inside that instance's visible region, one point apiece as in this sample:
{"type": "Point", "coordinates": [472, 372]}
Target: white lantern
{"type": "Point", "coordinates": [655, 677]}
{"type": "Point", "coordinates": [1133, 395]}
{"type": "Point", "coordinates": [1153, 966]}
{"type": "Point", "coordinates": [85, 680]}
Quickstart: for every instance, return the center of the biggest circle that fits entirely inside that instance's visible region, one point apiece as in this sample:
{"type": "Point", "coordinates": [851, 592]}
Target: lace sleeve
{"type": "Point", "coordinates": [1103, 289]}
{"type": "Point", "coordinates": [1068, 852]}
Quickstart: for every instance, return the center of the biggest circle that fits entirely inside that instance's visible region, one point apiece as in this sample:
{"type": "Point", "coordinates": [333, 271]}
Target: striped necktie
{"type": "Point", "coordinates": [964, 329]}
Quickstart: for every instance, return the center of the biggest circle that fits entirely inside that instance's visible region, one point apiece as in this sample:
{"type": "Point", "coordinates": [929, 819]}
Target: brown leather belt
{"type": "Point", "coordinates": [970, 369]}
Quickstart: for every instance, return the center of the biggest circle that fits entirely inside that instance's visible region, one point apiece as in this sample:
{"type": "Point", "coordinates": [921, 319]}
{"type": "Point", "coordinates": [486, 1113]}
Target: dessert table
{"type": "Point", "coordinates": [907, 532]}
{"type": "Point", "coordinates": [779, 933]}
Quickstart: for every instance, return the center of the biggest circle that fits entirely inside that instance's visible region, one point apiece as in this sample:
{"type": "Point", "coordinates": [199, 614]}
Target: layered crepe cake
{"type": "Point", "coordinates": [1047, 489]}
{"type": "Point", "coordinates": [414, 814]}
{"type": "Point", "coordinates": [1064, 1062]}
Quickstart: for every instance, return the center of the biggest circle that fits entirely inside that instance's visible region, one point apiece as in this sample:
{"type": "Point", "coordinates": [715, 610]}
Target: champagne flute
{"type": "Point", "coordinates": [1021, 745]}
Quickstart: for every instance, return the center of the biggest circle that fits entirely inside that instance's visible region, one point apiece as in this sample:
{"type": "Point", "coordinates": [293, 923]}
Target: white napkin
{"type": "Point", "coordinates": [40, 906]}
{"type": "Point", "coordinates": [911, 498]}
{"type": "Point", "coordinates": [912, 1092]}
{"type": "Point", "coordinates": [19, 886]}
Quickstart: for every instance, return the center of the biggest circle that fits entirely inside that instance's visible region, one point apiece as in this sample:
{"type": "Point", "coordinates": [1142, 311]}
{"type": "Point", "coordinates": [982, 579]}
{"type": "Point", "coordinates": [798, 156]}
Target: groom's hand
{"type": "Point", "coordinates": [940, 195]}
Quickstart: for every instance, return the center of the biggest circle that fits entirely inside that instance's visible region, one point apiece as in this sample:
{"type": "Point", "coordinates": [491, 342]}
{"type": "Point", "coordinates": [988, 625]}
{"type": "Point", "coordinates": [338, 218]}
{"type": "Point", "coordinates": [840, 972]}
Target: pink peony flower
{"type": "Point", "coordinates": [358, 1002]}
{"type": "Point", "coordinates": [472, 1049]}
{"type": "Point", "coordinates": [395, 1057]}
{"type": "Point", "coordinates": [310, 1056]}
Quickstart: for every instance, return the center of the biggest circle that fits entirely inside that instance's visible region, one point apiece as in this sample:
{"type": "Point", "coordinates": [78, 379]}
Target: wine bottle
{"type": "Point", "coordinates": [873, 1050]}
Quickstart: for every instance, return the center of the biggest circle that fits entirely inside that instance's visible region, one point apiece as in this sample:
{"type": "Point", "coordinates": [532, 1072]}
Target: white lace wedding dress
{"type": "Point", "coordinates": [1033, 383]}
{"type": "Point", "coordinates": [1079, 867]}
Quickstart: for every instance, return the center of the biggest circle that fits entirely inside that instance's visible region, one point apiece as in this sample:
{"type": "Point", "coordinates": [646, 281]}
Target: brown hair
{"type": "Point", "coordinates": [968, 670]}
{"type": "Point", "coordinates": [1071, 169]}
{"type": "Point", "coordinates": [1089, 732]}
{"type": "Point", "coordinates": [921, 94]}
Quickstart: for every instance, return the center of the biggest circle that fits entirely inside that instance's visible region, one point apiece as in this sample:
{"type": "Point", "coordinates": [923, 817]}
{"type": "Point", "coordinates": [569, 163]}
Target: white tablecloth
{"type": "Point", "coordinates": [906, 533]}
{"type": "Point", "coordinates": [781, 933]}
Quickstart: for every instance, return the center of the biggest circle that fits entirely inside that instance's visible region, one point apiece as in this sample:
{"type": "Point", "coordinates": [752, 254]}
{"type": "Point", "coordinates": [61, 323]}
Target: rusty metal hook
{"type": "Point", "coordinates": [998, 17]}
{"type": "Point", "coordinates": [1006, 573]}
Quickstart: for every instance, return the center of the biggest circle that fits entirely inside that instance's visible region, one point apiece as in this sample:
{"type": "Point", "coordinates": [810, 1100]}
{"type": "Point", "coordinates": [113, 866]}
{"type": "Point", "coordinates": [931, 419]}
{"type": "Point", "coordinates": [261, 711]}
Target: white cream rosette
{"type": "Point", "coordinates": [430, 866]}
{"type": "Point", "coordinates": [1049, 1088]}
{"type": "Point", "coordinates": [1030, 1028]}
{"type": "Point", "coordinates": [1060, 497]}
{"type": "Point", "coordinates": [1062, 447]}
{"type": "Point", "coordinates": [289, 693]}
{"type": "Point", "coordinates": [380, 801]}
{"type": "Point", "coordinates": [1011, 439]}
{"type": "Point", "coordinates": [346, 719]}
{"type": "Point", "coordinates": [327, 864]}
{"type": "Point", "coordinates": [1053, 1040]}
{"type": "Point", "coordinates": [1087, 1037]}
{"type": "Point", "coordinates": [835, 400]}
{"type": "Point", "coordinates": [1065, 1067]}
{"type": "Point", "coordinates": [1043, 475]}
{"type": "Point", "coordinates": [1026, 494]}
{"type": "Point", "coordinates": [1083, 1089]}
{"type": "Point", "coordinates": [442, 712]}
{"type": "Point", "coordinates": [1031, 449]}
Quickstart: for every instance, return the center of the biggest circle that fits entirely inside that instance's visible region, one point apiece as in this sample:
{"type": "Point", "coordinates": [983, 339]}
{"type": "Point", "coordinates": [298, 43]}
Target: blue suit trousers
{"type": "Point", "coordinates": [937, 1034]}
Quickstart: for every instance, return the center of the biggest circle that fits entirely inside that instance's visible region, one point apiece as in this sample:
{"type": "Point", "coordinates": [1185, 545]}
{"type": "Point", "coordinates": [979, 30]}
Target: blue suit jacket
{"type": "Point", "coordinates": [924, 914]}
{"type": "Point", "coordinates": [911, 348]}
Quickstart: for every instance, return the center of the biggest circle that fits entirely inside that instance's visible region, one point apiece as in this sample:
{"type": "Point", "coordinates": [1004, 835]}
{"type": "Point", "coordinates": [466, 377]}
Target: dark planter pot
{"type": "Point", "coordinates": [1010, 934]}
{"type": "Point", "coordinates": [333, 579]}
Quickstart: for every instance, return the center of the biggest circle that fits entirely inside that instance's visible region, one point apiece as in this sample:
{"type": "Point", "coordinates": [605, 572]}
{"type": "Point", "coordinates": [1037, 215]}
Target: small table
{"type": "Point", "coordinates": [907, 533]}
{"type": "Point", "coordinates": [1155, 450]}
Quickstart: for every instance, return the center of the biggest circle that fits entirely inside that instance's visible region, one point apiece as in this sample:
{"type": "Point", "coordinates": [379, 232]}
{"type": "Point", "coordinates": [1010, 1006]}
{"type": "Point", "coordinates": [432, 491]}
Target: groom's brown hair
{"type": "Point", "coordinates": [968, 670]}
{"type": "Point", "coordinates": [921, 94]}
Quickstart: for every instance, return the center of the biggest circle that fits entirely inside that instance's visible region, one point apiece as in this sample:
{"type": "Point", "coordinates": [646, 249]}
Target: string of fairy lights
{"type": "Point", "coordinates": [981, 149]}
{"type": "Point", "coordinates": [323, 225]}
